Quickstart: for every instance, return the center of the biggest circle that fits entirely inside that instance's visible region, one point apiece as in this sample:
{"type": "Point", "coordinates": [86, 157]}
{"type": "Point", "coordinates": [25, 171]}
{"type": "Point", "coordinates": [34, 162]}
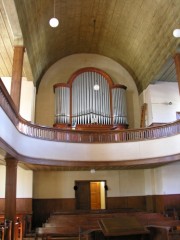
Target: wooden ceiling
{"type": "Point", "coordinates": [10, 35]}
{"type": "Point", "coordinates": [136, 34]}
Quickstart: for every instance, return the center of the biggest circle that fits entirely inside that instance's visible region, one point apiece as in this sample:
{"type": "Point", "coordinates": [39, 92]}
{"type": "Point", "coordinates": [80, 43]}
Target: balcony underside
{"type": "Point", "coordinates": [36, 164]}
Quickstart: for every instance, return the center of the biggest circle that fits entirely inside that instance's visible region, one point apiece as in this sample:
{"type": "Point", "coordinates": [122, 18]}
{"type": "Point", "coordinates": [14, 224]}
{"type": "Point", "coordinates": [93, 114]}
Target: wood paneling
{"type": "Point", "coordinates": [2, 205]}
{"type": "Point", "coordinates": [163, 202]}
{"type": "Point", "coordinates": [137, 202]}
{"type": "Point", "coordinates": [150, 203]}
{"type": "Point", "coordinates": [23, 205]}
{"type": "Point", "coordinates": [42, 208]}
{"type": "Point", "coordinates": [116, 202]}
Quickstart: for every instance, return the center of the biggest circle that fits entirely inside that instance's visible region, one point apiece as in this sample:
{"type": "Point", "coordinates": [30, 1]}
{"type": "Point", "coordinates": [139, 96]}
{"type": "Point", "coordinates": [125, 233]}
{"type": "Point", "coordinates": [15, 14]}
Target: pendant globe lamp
{"type": "Point", "coordinates": [54, 22]}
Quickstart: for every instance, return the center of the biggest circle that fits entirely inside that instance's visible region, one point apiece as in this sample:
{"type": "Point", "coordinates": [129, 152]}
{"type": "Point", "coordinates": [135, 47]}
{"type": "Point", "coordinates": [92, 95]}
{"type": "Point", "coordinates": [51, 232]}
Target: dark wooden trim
{"type": "Point", "coordinates": [155, 124]}
{"type": "Point", "coordinates": [92, 127]}
{"type": "Point", "coordinates": [119, 86]}
{"type": "Point", "coordinates": [90, 69]}
{"type": "Point", "coordinates": [60, 85]}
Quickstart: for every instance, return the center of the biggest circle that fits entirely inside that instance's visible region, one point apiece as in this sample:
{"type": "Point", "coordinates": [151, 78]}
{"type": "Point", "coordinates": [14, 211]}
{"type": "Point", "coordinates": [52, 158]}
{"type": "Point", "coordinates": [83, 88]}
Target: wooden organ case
{"type": "Point", "coordinates": [90, 100]}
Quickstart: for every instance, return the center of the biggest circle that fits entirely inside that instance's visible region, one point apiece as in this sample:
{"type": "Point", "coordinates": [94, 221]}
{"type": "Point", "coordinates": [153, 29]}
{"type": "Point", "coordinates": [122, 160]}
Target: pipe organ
{"type": "Point", "coordinates": [62, 104]}
{"type": "Point", "coordinates": [79, 103]}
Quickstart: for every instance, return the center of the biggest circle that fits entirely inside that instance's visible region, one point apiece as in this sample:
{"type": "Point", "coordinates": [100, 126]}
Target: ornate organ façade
{"type": "Point", "coordinates": [78, 104]}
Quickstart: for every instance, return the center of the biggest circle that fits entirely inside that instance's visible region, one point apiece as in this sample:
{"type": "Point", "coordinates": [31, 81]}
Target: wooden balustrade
{"type": "Point", "coordinates": [83, 136]}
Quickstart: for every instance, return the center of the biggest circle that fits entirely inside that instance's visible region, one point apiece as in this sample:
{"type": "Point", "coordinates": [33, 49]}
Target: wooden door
{"type": "Point", "coordinates": [95, 195]}
{"type": "Point", "coordinates": [82, 195]}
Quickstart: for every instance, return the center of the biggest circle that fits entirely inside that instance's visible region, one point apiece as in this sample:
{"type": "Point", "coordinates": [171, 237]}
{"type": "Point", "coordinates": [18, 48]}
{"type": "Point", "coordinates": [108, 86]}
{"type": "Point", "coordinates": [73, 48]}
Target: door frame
{"type": "Point", "coordinates": [89, 181]}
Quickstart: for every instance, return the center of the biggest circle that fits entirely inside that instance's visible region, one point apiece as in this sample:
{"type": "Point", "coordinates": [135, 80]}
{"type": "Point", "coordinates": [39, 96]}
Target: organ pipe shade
{"type": "Point", "coordinates": [90, 106]}
{"type": "Point", "coordinates": [119, 106]}
{"type": "Point", "coordinates": [79, 103]}
{"type": "Point", "coordinates": [62, 105]}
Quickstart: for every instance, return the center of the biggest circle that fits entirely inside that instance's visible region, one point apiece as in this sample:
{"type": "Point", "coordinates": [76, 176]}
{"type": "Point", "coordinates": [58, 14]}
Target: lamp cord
{"type": "Point", "coordinates": [54, 8]}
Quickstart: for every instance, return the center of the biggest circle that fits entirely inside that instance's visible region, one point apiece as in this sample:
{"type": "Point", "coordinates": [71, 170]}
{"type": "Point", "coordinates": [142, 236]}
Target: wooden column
{"type": "Point", "coordinates": [10, 193]}
{"type": "Point", "coordinates": [17, 74]}
{"type": "Point", "coordinates": [177, 63]}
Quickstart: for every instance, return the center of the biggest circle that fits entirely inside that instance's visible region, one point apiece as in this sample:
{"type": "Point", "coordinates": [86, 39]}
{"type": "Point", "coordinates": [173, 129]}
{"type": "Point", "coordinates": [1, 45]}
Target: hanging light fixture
{"type": "Point", "coordinates": [176, 33]}
{"type": "Point", "coordinates": [96, 87]}
{"type": "Point", "coordinates": [54, 22]}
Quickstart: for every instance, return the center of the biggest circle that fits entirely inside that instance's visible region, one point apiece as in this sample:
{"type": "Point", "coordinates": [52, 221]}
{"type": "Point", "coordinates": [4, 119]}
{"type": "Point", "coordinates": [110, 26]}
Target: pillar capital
{"type": "Point", "coordinates": [11, 162]}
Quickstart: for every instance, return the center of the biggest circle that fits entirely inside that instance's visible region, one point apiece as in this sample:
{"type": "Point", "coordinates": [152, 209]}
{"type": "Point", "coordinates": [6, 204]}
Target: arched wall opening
{"type": "Point", "coordinates": [61, 71]}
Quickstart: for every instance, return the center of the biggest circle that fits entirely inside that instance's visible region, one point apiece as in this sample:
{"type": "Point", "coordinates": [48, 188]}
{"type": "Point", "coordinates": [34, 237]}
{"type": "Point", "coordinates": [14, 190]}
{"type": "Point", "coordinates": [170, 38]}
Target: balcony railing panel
{"type": "Point", "coordinates": [82, 136]}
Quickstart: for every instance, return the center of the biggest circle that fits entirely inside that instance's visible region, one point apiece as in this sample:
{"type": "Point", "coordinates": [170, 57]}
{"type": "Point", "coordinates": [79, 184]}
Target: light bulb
{"type": "Point", "coordinates": [176, 33]}
{"type": "Point", "coordinates": [54, 22]}
{"type": "Point", "coordinates": [96, 87]}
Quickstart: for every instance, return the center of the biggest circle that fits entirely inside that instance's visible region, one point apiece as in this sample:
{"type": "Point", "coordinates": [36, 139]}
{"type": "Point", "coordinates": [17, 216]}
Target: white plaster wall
{"type": "Point", "coordinates": [27, 102]}
{"type": "Point", "coordinates": [27, 98]}
{"type": "Point", "coordinates": [64, 68]}
{"type": "Point", "coordinates": [60, 184]}
{"type": "Point", "coordinates": [157, 96]}
{"type": "Point", "coordinates": [167, 179]}
{"type": "Point", "coordinates": [162, 180]}
{"type": "Point", "coordinates": [24, 182]}
{"type": "Point", "coordinates": [158, 181]}
{"type": "Point", "coordinates": [7, 83]}
{"type": "Point", "coordinates": [149, 181]}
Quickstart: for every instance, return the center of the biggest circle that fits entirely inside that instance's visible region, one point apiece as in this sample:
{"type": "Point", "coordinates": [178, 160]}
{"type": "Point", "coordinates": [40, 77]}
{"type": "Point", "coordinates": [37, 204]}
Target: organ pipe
{"type": "Point", "coordinates": [78, 103]}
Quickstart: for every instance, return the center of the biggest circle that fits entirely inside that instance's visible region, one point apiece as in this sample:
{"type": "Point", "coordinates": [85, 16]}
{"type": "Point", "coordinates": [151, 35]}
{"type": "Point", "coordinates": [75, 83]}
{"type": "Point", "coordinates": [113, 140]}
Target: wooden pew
{"type": "Point", "coordinates": [174, 235]}
{"type": "Point", "coordinates": [158, 232]}
{"type": "Point", "coordinates": [68, 232]}
{"type": "Point", "coordinates": [19, 225]}
{"type": "Point", "coordinates": [5, 230]}
{"type": "Point", "coordinates": [86, 224]}
{"type": "Point", "coordinates": [2, 232]}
